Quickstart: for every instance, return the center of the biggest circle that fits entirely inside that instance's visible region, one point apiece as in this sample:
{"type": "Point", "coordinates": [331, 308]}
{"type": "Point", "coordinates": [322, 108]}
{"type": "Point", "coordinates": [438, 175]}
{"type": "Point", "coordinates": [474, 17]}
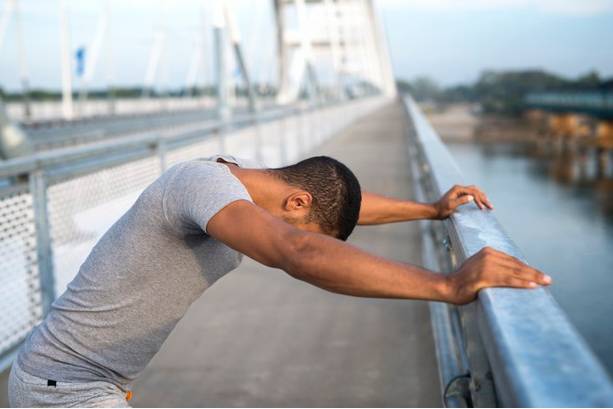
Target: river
{"type": "Point", "coordinates": [563, 226]}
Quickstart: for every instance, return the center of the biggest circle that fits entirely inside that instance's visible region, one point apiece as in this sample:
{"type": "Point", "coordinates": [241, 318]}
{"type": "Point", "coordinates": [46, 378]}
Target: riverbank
{"type": "Point", "coordinates": [455, 123]}
{"type": "Point", "coordinates": [462, 123]}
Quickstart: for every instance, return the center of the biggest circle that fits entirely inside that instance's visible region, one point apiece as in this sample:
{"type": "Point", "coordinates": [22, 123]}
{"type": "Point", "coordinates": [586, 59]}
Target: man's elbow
{"type": "Point", "coordinates": [299, 249]}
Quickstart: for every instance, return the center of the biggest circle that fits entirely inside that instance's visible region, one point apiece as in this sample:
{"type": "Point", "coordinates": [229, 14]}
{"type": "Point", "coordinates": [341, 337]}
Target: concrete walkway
{"type": "Point", "coordinates": [261, 338]}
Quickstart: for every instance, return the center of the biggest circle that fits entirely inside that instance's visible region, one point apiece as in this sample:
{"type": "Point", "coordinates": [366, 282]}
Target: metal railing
{"type": "Point", "coordinates": [510, 347]}
{"type": "Point", "coordinates": [49, 113]}
{"type": "Point", "coordinates": [55, 205]}
{"type": "Point", "coordinates": [61, 133]}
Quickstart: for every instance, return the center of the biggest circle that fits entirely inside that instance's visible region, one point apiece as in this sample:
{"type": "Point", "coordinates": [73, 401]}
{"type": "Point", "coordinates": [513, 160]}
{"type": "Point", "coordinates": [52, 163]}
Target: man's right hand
{"type": "Point", "coordinates": [492, 268]}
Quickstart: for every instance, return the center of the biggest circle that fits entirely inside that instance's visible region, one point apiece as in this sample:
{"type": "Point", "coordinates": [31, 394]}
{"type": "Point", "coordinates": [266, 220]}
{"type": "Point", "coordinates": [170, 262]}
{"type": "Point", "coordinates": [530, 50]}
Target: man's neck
{"type": "Point", "coordinates": [265, 189]}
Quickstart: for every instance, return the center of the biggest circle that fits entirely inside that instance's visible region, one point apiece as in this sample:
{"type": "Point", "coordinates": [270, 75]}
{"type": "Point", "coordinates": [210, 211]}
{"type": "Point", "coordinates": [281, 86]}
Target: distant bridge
{"type": "Point", "coordinates": [598, 104]}
{"type": "Point", "coordinates": [579, 120]}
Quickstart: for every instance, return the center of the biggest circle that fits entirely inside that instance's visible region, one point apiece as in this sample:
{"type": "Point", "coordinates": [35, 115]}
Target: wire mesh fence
{"type": "Point", "coordinates": [81, 209]}
{"type": "Point", "coordinates": [20, 301]}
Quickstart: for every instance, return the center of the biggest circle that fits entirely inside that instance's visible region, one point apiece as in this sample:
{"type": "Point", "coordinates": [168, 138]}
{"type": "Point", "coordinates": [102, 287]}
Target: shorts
{"type": "Point", "coordinates": [27, 390]}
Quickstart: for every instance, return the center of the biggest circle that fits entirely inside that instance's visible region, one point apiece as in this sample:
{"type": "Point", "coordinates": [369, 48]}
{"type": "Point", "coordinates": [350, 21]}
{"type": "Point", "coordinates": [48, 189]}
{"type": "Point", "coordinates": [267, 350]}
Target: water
{"type": "Point", "coordinates": [563, 226]}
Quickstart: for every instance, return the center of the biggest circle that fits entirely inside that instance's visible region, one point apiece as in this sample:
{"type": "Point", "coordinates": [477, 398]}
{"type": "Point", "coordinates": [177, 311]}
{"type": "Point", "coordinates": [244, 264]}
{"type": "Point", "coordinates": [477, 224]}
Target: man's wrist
{"type": "Point", "coordinates": [448, 289]}
{"type": "Point", "coordinates": [442, 288]}
{"type": "Point", "coordinates": [434, 211]}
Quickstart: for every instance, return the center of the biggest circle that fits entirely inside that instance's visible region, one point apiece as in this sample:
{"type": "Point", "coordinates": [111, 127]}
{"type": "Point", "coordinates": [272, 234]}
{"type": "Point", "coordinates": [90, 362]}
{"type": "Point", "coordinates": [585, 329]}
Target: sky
{"type": "Point", "coordinates": [451, 41]}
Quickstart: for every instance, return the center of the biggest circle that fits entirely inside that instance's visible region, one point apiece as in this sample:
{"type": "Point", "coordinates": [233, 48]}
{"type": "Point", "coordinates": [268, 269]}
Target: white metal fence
{"type": "Point", "coordinates": [52, 110]}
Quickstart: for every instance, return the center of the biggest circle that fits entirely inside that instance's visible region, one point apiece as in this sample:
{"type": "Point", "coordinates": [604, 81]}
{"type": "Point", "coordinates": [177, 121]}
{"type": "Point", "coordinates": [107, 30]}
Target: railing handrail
{"type": "Point", "coordinates": [536, 356]}
{"type": "Point", "coordinates": [106, 149]}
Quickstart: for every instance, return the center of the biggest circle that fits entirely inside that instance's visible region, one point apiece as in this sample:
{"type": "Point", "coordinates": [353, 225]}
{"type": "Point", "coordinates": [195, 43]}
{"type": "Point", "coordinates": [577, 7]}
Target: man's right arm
{"type": "Point", "coordinates": [342, 268]}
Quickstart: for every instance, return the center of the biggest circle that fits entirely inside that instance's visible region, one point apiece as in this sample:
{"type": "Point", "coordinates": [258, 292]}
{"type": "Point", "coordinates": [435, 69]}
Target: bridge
{"type": "Point", "coordinates": [598, 104]}
{"type": "Point", "coordinates": [575, 122]}
{"type": "Point", "coordinates": [274, 341]}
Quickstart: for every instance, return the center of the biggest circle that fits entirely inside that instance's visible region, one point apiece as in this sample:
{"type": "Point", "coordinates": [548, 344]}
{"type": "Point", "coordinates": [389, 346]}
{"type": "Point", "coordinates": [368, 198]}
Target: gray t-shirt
{"type": "Point", "coordinates": [139, 279]}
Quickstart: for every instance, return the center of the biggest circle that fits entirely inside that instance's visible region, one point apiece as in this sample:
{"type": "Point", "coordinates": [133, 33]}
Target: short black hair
{"type": "Point", "coordinates": [335, 189]}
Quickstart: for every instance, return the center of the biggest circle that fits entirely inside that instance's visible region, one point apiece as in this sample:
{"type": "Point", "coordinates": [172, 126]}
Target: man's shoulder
{"type": "Point", "coordinates": [192, 170]}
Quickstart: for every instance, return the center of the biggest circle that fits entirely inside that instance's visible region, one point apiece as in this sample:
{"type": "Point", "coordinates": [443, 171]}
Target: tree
{"type": "Point", "coordinates": [421, 88]}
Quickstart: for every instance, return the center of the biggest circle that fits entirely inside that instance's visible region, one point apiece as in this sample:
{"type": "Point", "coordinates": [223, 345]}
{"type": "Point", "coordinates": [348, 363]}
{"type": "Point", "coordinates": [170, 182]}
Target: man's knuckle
{"type": "Point", "coordinates": [488, 262]}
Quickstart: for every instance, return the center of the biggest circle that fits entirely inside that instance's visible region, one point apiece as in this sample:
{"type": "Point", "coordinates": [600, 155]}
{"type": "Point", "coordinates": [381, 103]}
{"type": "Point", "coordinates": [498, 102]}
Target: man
{"type": "Point", "coordinates": [188, 229]}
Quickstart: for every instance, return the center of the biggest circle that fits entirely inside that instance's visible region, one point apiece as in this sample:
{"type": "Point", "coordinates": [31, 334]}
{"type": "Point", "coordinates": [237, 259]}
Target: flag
{"type": "Point", "coordinates": [80, 56]}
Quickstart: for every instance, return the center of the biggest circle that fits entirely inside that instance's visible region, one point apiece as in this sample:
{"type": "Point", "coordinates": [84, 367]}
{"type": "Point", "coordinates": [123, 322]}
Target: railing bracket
{"type": "Point", "coordinates": [458, 388]}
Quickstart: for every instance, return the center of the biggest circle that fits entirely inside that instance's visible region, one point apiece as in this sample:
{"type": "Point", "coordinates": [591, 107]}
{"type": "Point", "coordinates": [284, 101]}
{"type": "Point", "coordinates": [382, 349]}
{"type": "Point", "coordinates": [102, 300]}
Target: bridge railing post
{"type": "Point", "coordinates": [161, 151]}
{"type": "Point", "coordinates": [38, 190]}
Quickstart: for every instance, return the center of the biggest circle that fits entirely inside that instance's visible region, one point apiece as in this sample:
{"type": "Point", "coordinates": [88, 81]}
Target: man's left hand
{"type": "Point", "coordinates": [458, 196]}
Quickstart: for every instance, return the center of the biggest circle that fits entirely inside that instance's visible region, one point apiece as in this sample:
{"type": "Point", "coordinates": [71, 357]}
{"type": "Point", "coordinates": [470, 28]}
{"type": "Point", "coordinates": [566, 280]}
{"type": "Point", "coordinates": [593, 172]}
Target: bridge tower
{"type": "Point", "coordinates": [334, 45]}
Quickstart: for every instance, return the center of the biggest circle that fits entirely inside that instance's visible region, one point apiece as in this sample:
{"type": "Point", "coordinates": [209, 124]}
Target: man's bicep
{"type": "Point", "coordinates": [251, 230]}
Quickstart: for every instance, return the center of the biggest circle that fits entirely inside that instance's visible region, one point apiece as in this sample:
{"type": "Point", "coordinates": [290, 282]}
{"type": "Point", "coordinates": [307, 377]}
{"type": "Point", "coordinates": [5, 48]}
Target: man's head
{"type": "Point", "coordinates": [325, 195]}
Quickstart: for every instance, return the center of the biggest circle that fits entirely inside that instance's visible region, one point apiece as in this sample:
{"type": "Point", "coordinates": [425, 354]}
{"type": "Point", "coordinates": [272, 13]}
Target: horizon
{"type": "Point", "coordinates": [211, 87]}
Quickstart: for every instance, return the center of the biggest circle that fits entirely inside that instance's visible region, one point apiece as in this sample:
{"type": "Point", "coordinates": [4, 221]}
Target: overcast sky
{"type": "Point", "coordinates": [448, 40]}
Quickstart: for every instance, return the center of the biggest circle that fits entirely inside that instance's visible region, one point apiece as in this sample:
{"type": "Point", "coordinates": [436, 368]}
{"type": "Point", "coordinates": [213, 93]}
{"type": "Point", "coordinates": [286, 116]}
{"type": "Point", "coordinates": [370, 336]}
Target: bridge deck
{"type": "Point", "coordinates": [261, 338]}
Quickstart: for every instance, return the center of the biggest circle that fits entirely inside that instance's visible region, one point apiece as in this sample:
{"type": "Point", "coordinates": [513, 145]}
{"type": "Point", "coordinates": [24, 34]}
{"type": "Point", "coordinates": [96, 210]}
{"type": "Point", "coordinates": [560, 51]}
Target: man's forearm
{"type": "Point", "coordinates": [378, 209]}
{"type": "Point", "coordinates": [321, 260]}
{"type": "Point", "coordinates": [342, 268]}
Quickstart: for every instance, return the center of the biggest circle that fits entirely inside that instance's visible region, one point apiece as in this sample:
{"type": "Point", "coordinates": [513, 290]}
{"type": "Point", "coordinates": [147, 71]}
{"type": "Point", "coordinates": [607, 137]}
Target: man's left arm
{"type": "Point", "coordinates": [377, 209]}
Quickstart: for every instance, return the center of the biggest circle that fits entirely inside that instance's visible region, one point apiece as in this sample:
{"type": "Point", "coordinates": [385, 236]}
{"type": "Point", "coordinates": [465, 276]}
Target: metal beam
{"type": "Point", "coordinates": [221, 75]}
{"type": "Point", "coordinates": [67, 107]}
{"type": "Point", "coordinates": [23, 65]}
{"type": "Point", "coordinates": [238, 55]}
{"type": "Point", "coordinates": [91, 59]}
{"type": "Point", "coordinates": [282, 71]}
{"type": "Point", "coordinates": [38, 189]}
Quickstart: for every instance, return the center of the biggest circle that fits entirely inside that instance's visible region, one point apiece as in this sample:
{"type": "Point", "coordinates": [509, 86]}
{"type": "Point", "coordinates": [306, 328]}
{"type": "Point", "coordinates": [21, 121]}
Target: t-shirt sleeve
{"type": "Point", "coordinates": [197, 190]}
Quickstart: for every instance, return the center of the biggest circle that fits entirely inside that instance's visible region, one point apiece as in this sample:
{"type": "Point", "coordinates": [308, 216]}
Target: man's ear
{"type": "Point", "coordinates": [301, 200]}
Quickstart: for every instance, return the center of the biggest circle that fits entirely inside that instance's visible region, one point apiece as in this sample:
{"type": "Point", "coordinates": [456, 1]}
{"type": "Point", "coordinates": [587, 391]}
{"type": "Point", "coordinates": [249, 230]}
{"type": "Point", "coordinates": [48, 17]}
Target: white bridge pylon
{"type": "Point", "coordinates": [326, 49]}
{"type": "Point", "coordinates": [338, 44]}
